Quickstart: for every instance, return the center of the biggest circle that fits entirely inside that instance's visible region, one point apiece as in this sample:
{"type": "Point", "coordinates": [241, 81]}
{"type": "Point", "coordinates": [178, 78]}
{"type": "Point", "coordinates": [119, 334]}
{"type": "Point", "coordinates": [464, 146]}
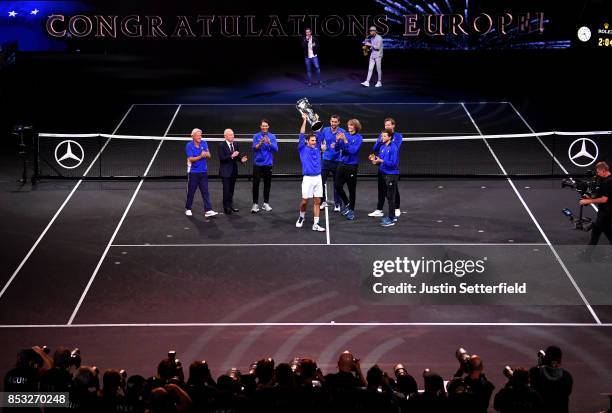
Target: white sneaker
{"type": "Point", "coordinates": [398, 212]}
{"type": "Point", "coordinates": [299, 222]}
{"type": "Point", "coordinates": [366, 83]}
{"type": "Point", "coordinates": [188, 212]}
{"type": "Point", "coordinates": [210, 213]}
{"type": "Point", "coordinates": [255, 209]}
{"type": "Point", "coordinates": [323, 205]}
{"type": "Point", "coordinates": [266, 207]}
{"type": "Point", "coordinates": [378, 84]}
{"type": "Point", "coordinates": [318, 228]}
{"type": "Point", "coordinates": [337, 208]}
{"type": "Point", "coordinates": [377, 213]}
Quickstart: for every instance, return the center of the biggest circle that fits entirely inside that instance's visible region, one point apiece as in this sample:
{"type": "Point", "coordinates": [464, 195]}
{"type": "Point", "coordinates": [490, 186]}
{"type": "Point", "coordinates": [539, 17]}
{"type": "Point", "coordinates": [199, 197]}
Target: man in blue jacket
{"type": "Point", "coordinates": [197, 177]}
{"type": "Point", "coordinates": [264, 146]}
{"type": "Point", "coordinates": [330, 158]}
{"type": "Point", "coordinates": [312, 186]}
{"type": "Point", "coordinates": [348, 148]}
{"type": "Point", "coordinates": [388, 166]}
{"type": "Point", "coordinates": [397, 141]}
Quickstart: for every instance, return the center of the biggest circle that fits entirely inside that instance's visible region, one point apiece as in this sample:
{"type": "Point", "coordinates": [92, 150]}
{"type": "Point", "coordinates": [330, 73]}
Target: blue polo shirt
{"type": "Point", "coordinates": [264, 155]}
{"type": "Point", "coordinates": [390, 157]}
{"type": "Point", "coordinates": [191, 151]}
{"type": "Point", "coordinates": [329, 137]}
{"type": "Point", "coordinates": [397, 140]}
{"type": "Point", "coordinates": [310, 157]}
{"type": "Point", "coordinates": [349, 152]}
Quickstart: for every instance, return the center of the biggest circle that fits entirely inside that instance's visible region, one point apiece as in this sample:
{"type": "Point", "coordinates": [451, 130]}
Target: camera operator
{"type": "Point", "coordinates": [518, 396]}
{"type": "Point", "coordinates": [433, 399]}
{"type": "Point", "coordinates": [31, 363]}
{"type": "Point", "coordinates": [472, 392]}
{"type": "Point", "coordinates": [346, 387]}
{"type": "Point", "coordinates": [379, 396]}
{"type": "Point", "coordinates": [552, 382]}
{"type": "Point", "coordinates": [59, 378]}
{"type": "Point", "coordinates": [201, 387]}
{"type": "Point", "coordinates": [603, 223]}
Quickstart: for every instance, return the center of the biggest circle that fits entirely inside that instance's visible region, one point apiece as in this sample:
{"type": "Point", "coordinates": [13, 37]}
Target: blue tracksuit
{"type": "Point", "coordinates": [310, 157]}
{"type": "Point", "coordinates": [264, 156]}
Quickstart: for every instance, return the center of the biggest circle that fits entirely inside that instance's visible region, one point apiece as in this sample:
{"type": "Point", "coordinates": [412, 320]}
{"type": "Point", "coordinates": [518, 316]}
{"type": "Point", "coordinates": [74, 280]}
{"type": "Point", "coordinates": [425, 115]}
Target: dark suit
{"type": "Point", "coordinates": [228, 171]}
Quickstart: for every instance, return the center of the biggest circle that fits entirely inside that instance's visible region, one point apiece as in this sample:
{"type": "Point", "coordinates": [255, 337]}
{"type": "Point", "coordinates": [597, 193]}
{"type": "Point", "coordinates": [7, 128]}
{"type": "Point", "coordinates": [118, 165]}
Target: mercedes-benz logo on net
{"type": "Point", "coordinates": [583, 152]}
{"type": "Point", "coordinates": [69, 154]}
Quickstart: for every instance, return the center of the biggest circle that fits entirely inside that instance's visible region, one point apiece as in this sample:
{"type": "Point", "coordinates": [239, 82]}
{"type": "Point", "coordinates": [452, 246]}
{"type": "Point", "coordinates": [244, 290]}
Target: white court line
{"type": "Point", "coordinates": [61, 208]}
{"type": "Point", "coordinates": [93, 276]}
{"type": "Point", "coordinates": [532, 244]}
{"type": "Point", "coordinates": [546, 148]}
{"type": "Point", "coordinates": [327, 223]}
{"type": "Point", "coordinates": [518, 194]}
{"type": "Point", "coordinates": [320, 104]}
{"type": "Point", "coordinates": [288, 324]}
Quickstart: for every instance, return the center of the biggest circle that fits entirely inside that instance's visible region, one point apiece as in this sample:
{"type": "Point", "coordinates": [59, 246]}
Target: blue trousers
{"type": "Point", "coordinates": [330, 168]}
{"type": "Point", "coordinates": [312, 61]}
{"type": "Point", "coordinates": [197, 180]}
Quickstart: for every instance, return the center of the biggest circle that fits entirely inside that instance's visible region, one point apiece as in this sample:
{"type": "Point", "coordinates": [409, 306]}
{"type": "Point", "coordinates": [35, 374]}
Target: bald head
{"type": "Point", "coordinates": [346, 362]}
{"type": "Point", "coordinates": [228, 134]}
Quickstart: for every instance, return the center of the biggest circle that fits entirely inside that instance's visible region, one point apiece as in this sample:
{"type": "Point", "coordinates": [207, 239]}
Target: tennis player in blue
{"type": "Point", "coordinates": [264, 147]}
{"type": "Point", "coordinates": [397, 140]}
{"type": "Point", "coordinates": [347, 145]}
{"type": "Point", "coordinates": [388, 166]}
{"type": "Point", "coordinates": [312, 186]}
{"type": "Point", "coordinates": [330, 158]}
{"type": "Point", "coordinates": [197, 176]}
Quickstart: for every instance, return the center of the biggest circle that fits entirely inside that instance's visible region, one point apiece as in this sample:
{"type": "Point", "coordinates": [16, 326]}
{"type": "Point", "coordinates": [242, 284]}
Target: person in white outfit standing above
{"type": "Point", "coordinates": [375, 42]}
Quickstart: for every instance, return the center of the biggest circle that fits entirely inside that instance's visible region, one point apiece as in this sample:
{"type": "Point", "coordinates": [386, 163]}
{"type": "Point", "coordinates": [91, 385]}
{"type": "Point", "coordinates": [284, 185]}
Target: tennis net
{"type": "Point", "coordinates": [545, 154]}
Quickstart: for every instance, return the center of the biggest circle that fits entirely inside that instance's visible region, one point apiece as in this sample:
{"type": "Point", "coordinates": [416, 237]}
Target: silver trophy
{"type": "Point", "coordinates": [305, 108]}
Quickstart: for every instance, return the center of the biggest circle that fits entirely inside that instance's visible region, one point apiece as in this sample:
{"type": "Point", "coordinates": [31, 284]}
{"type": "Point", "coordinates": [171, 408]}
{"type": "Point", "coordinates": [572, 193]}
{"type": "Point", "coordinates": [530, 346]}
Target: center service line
{"type": "Point", "coordinates": [518, 194]}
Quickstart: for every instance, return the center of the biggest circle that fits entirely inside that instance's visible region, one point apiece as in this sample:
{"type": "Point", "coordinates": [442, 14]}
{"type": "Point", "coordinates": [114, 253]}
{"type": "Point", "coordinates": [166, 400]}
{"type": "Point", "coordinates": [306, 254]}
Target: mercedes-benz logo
{"type": "Point", "coordinates": [72, 154]}
{"type": "Point", "coordinates": [583, 152]}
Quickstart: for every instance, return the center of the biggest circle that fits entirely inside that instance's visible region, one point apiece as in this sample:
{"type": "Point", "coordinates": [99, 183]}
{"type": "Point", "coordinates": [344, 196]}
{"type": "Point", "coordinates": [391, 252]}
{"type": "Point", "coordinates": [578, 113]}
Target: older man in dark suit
{"type": "Point", "coordinates": [229, 156]}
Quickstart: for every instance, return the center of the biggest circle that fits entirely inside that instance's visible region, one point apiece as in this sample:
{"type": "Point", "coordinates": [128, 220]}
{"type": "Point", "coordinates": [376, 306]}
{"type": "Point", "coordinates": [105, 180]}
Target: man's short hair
{"type": "Point", "coordinates": [390, 120]}
{"type": "Point", "coordinates": [61, 358]}
{"type": "Point", "coordinates": [356, 124]}
{"type": "Point", "coordinates": [195, 130]}
{"type": "Point", "coordinates": [602, 165]}
{"type": "Point", "coordinates": [387, 131]}
{"type": "Point", "coordinates": [166, 369]}
{"type": "Point", "coordinates": [311, 135]}
{"type": "Point", "coordinates": [553, 353]}
{"type": "Point", "coordinates": [264, 120]}
{"type": "Point", "coordinates": [335, 117]}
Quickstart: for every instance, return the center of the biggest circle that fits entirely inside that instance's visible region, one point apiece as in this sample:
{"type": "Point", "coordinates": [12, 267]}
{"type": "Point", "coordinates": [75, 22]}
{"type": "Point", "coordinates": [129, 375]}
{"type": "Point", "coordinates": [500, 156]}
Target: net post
{"type": "Point", "coordinates": [36, 145]}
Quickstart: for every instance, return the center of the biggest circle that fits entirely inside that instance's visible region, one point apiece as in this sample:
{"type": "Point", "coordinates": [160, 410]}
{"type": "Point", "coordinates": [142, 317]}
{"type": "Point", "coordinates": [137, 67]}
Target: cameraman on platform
{"type": "Point", "coordinates": [603, 223]}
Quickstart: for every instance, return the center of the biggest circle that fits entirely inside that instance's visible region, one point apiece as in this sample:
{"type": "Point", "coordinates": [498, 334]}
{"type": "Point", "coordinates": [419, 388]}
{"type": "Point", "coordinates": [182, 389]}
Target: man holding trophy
{"type": "Point", "coordinates": [375, 43]}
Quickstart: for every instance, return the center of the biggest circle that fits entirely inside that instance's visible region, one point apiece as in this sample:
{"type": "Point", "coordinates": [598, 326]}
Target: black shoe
{"type": "Point", "coordinates": [234, 209]}
{"type": "Point", "coordinates": [227, 211]}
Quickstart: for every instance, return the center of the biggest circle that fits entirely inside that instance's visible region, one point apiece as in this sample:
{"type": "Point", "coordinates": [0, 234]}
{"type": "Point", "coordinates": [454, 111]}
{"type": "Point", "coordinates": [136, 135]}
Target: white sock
{"type": "Point", "coordinates": [316, 220]}
{"type": "Point", "coordinates": [302, 214]}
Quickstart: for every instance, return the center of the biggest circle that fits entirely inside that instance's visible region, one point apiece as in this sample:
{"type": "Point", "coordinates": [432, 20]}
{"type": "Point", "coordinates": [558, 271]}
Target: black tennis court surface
{"type": "Point", "coordinates": [118, 262]}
